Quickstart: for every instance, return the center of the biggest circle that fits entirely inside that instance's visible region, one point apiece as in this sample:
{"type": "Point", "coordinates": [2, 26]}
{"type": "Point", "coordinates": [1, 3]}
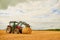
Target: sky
{"type": "Point", "coordinates": [40, 14]}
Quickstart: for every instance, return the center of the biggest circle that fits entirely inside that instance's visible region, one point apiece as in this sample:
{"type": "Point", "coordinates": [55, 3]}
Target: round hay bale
{"type": "Point", "coordinates": [26, 30]}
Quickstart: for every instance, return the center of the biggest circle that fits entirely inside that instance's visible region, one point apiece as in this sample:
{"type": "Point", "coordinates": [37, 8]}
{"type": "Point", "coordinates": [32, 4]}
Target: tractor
{"type": "Point", "coordinates": [18, 27]}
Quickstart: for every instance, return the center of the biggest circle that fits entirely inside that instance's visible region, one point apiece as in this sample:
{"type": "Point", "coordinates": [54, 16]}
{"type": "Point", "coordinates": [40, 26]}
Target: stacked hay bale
{"type": "Point", "coordinates": [26, 30]}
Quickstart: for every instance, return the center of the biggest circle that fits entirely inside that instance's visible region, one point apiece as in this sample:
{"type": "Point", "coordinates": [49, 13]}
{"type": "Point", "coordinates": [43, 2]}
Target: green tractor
{"type": "Point", "coordinates": [18, 27]}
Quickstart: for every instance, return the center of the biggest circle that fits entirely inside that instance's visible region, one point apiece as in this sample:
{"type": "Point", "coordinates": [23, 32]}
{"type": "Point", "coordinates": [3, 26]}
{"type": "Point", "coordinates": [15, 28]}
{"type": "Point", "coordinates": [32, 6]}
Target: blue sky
{"type": "Point", "coordinates": [41, 14]}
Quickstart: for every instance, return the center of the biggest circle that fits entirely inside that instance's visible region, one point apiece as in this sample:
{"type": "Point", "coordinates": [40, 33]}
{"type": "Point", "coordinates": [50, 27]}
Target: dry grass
{"type": "Point", "coordinates": [36, 35]}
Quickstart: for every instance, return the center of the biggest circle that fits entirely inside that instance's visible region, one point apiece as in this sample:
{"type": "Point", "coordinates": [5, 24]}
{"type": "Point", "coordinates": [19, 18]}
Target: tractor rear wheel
{"type": "Point", "coordinates": [16, 31]}
{"type": "Point", "coordinates": [8, 30]}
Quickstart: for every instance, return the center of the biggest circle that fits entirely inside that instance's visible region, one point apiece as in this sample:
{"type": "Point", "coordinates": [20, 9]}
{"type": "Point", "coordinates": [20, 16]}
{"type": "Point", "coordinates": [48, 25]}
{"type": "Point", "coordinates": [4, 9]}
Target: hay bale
{"type": "Point", "coordinates": [26, 30]}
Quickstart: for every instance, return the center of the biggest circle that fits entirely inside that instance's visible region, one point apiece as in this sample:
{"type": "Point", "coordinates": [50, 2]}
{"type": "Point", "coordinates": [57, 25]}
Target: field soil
{"type": "Point", "coordinates": [35, 35]}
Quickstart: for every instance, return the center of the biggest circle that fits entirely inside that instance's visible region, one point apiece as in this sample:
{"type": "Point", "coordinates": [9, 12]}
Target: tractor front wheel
{"type": "Point", "coordinates": [16, 31]}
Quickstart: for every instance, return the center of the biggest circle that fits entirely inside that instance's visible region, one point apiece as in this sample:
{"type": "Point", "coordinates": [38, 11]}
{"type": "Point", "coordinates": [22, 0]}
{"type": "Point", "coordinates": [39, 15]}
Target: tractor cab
{"type": "Point", "coordinates": [13, 23]}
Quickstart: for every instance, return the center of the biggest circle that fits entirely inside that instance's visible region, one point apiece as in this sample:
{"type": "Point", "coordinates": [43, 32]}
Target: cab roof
{"type": "Point", "coordinates": [13, 22]}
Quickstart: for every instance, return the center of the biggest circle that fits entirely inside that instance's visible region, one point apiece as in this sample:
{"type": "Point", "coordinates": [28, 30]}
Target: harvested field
{"type": "Point", "coordinates": [35, 35]}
